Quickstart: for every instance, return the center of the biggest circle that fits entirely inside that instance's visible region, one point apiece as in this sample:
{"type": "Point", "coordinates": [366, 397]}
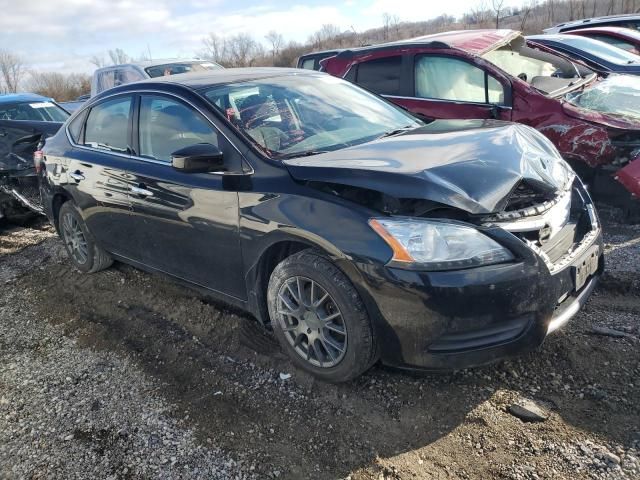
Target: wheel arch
{"type": "Point", "coordinates": [57, 200]}
{"type": "Point", "coordinates": [277, 249]}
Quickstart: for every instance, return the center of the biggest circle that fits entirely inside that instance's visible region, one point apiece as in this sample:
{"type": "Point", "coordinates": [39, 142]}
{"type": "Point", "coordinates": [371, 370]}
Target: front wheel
{"type": "Point", "coordinates": [84, 253]}
{"type": "Point", "coordinates": [319, 318]}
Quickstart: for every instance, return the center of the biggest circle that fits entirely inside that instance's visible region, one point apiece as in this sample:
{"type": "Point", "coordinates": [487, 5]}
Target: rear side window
{"type": "Point", "coordinates": [107, 125]}
{"type": "Point", "coordinates": [447, 78]}
{"type": "Point", "coordinates": [381, 76]}
{"type": "Point", "coordinates": [309, 63]}
{"type": "Point", "coordinates": [75, 127]}
{"type": "Point", "coordinates": [167, 125]}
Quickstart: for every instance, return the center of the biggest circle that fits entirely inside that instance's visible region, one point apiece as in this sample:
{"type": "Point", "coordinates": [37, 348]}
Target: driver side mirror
{"type": "Point", "coordinates": [198, 158]}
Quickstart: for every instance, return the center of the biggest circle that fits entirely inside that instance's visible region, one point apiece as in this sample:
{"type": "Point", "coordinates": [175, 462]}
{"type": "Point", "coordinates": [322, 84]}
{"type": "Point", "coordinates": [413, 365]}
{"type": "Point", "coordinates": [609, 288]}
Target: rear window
{"type": "Point", "coordinates": [309, 63]}
{"type": "Point", "coordinates": [34, 111]}
{"type": "Point", "coordinates": [602, 50]}
{"type": "Point", "coordinates": [381, 75]}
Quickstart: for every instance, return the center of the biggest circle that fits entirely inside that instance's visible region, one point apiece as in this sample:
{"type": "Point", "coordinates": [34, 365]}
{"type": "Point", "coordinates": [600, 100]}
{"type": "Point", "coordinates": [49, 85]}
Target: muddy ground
{"type": "Point", "coordinates": [224, 379]}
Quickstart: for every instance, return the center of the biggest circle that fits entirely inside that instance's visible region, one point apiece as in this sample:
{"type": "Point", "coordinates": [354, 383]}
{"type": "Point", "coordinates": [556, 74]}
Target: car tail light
{"type": "Point", "coordinates": [37, 160]}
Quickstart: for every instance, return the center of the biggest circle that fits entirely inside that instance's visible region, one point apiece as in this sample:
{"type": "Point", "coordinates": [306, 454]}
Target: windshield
{"type": "Point", "coordinates": [38, 111]}
{"type": "Point", "coordinates": [180, 67]}
{"type": "Point", "coordinates": [297, 115]}
{"type": "Point", "coordinates": [617, 95]}
{"type": "Point", "coordinates": [602, 50]}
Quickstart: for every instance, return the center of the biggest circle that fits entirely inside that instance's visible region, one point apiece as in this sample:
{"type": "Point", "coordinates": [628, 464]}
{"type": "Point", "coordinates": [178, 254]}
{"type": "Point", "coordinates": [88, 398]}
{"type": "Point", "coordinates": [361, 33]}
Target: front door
{"type": "Point", "coordinates": [187, 223]}
{"type": "Point", "coordinates": [452, 88]}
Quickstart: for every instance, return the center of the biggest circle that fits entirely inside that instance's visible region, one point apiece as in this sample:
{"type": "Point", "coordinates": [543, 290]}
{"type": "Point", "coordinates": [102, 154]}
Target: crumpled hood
{"type": "Point", "coordinates": [613, 102]}
{"type": "Point", "coordinates": [473, 165]}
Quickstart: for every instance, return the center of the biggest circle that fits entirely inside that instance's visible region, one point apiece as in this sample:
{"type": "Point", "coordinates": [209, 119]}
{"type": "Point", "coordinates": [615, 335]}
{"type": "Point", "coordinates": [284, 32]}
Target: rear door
{"type": "Point", "coordinates": [187, 223]}
{"type": "Point", "coordinates": [96, 171]}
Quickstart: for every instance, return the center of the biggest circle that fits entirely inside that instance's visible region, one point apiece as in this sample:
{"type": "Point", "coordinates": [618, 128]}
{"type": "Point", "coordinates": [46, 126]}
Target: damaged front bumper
{"type": "Point", "coordinates": [458, 319]}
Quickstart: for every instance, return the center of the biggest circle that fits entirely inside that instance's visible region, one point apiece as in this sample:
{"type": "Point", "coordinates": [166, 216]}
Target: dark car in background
{"type": "Point", "coordinates": [599, 56]}
{"type": "Point", "coordinates": [594, 122]}
{"type": "Point", "coordinates": [25, 120]}
{"type": "Point", "coordinates": [355, 230]}
{"type": "Point", "coordinates": [631, 20]}
{"type": "Point", "coordinates": [623, 38]}
{"type": "Point", "coordinates": [311, 61]}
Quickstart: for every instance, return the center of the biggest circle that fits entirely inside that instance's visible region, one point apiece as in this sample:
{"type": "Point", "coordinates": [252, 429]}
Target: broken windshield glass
{"type": "Point", "coordinates": [617, 95]}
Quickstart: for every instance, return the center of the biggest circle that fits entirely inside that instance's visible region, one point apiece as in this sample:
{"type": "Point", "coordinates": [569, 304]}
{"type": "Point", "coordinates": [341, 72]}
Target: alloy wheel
{"type": "Point", "coordinates": [312, 322]}
{"type": "Point", "coordinates": [74, 239]}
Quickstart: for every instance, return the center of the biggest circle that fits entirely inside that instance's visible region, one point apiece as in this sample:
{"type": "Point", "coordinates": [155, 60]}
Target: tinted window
{"type": "Point", "coordinates": [167, 125]}
{"type": "Point", "coordinates": [75, 128]}
{"type": "Point", "coordinates": [617, 42]}
{"type": "Point", "coordinates": [107, 125]}
{"type": "Point", "coordinates": [38, 111]}
{"type": "Point", "coordinates": [452, 79]}
{"type": "Point", "coordinates": [309, 63]}
{"type": "Point", "coordinates": [381, 75]}
{"type": "Point", "coordinates": [601, 50]}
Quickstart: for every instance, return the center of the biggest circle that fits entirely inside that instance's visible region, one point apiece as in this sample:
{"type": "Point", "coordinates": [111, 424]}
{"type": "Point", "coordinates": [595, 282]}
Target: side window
{"type": "Point", "coordinates": [124, 75]}
{"type": "Point", "coordinates": [308, 63]}
{"type": "Point", "coordinates": [75, 127]}
{"type": "Point", "coordinates": [381, 75]}
{"type": "Point", "coordinates": [106, 80]}
{"type": "Point", "coordinates": [107, 125]}
{"type": "Point", "coordinates": [617, 42]}
{"type": "Point", "coordinates": [452, 79]}
{"type": "Point", "coordinates": [167, 125]}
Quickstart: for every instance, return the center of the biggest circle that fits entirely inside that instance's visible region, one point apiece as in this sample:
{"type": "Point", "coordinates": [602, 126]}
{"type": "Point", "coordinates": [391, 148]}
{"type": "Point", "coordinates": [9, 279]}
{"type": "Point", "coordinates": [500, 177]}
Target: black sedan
{"type": "Point", "coordinates": [597, 55]}
{"type": "Point", "coordinates": [352, 229]}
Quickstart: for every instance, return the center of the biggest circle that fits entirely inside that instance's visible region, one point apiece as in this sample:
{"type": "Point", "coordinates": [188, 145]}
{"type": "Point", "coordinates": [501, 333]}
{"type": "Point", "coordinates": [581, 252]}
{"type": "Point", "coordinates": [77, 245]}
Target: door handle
{"type": "Point", "coordinates": [77, 175]}
{"type": "Point", "coordinates": [141, 190]}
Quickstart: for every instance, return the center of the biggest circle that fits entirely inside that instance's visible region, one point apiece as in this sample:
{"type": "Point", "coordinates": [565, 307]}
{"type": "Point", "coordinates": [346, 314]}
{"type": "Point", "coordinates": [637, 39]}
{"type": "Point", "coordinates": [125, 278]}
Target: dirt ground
{"type": "Point", "coordinates": [227, 382]}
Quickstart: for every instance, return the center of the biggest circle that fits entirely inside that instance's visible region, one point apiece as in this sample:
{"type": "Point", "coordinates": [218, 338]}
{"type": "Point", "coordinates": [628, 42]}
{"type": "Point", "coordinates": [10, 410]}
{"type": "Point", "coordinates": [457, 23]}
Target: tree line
{"type": "Point", "coordinates": [243, 49]}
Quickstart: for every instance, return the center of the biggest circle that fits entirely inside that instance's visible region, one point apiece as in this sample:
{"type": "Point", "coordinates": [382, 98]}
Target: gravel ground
{"type": "Point", "coordinates": [123, 374]}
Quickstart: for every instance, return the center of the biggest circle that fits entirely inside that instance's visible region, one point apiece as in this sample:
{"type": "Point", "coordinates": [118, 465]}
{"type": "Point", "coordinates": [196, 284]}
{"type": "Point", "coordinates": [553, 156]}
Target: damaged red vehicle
{"type": "Point", "coordinates": [593, 121]}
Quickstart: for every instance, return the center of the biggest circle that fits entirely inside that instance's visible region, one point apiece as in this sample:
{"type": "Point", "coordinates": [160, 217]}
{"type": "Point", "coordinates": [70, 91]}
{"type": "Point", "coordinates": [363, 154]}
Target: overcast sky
{"type": "Point", "coordinates": [62, 35]}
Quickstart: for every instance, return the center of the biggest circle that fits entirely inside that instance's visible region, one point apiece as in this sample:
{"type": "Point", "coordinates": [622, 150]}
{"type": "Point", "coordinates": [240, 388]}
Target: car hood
{"type": "Point", "coordinates": [473, 165]}
{"type": "Point", "coordinates": [614, 102]}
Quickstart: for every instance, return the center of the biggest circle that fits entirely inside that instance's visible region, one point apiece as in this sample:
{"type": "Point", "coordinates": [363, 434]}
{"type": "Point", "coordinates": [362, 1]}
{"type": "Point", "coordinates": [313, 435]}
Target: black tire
{"type": "Point", "coordinates": [96, 258]}
{"type": "Point", "coordinates": [360, 351]}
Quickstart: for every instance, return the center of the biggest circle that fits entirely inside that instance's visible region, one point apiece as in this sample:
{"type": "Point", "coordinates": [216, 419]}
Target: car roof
{"type": "Point", "coordinates": [23, 97]}
{"type": "Point", "coordinates": [199, 80]}
{"type": "Point", "coordinates": [156, 62]}
{"type": "Point", "coordinates": [473, 41]}
{"type": "Point", "coordinates": [593, 21]}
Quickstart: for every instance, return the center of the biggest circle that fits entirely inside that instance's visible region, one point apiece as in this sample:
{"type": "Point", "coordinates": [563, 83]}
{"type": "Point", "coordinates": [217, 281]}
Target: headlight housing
{"type": "Point", "coordinates": [419, 244]}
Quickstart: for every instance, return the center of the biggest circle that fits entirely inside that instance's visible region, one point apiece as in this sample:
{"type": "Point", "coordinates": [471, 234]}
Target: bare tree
{"type": "Point", "coordinates": [98, 61]}
{"type": "Point", "coordinates": [243, 50]}
{"type": "Point", "coordinates": [59, 86]}
{"type": "Point", "coordinates": [276, 41]}
{"type": "Point", "coordinates": [11, 69]}
{"type": "Point", "coordinates": [497, 7]}
{"type": "Point", "coordinates": [215, 48]}
{"type": "Point", "coordinates": [118, 56]}
{"type": "Point", "coordinates": [326, 37]}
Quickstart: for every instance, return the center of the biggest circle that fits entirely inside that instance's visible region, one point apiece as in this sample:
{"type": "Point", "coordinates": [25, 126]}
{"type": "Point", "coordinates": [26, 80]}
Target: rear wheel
{"type": "Point", "coordinates": [79, 243]}
{"type": "Point", "coordinates": [319, 318]}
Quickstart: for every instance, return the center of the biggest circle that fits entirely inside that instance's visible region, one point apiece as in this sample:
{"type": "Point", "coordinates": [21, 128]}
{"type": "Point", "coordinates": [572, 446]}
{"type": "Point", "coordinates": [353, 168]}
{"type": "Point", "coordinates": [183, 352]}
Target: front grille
{"type": "Point", "coordinates": [558, 228]}
{"type": "Point", "coordinates": [526, 195]}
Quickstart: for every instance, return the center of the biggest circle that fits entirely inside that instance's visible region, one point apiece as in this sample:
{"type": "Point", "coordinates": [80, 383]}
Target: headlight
{"type": "Point", "coordinates": [437, 245]}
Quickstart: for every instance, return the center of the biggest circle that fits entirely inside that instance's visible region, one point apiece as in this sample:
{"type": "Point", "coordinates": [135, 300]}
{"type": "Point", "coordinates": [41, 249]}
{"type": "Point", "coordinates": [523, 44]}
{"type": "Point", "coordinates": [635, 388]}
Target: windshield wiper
{"type": "Point", "coordinates": [306, 153]}
{"type": "Point", "coordinates": [397, 131]}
